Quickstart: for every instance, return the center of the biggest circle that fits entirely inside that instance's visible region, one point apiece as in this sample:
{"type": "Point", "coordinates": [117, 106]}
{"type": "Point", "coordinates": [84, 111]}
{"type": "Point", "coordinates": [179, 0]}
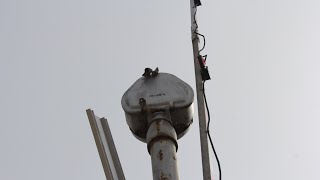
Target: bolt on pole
{"type": "Point", "coordinates": [206, 170]}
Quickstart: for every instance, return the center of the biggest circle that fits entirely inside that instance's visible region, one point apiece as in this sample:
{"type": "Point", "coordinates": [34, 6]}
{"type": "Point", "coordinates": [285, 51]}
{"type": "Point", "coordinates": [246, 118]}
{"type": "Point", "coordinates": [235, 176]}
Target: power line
{"type": "Point", "coordinates": [208, 131]}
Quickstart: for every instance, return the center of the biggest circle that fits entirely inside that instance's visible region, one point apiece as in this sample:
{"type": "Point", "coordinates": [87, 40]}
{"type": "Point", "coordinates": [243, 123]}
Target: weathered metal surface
{"type": "Point", "coordinates": [159, 110]}
{"type": "Point", "coordinates": [162, 146]}
{"type": "Point", "coordinates": [161, 129]}
{"type": "Point", "coordinates": [106, 148]}
{"type": "Point", "coordinates": [159, 93]}
{"type": "Point", "coordinates": [201, 109]}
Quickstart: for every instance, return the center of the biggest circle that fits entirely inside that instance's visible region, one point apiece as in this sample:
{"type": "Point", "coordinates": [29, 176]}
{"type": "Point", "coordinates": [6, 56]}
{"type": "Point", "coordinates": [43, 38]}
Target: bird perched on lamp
{"type": "Point", "coordinates": [148, 72]}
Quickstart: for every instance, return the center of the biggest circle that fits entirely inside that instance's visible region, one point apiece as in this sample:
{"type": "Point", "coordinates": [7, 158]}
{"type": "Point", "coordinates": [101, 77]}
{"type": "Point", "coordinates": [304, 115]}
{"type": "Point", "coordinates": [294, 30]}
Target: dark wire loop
{"type": "Point", "coordinates": [204, 41]}
{"type": "Point", "coordinates": [208, 131]}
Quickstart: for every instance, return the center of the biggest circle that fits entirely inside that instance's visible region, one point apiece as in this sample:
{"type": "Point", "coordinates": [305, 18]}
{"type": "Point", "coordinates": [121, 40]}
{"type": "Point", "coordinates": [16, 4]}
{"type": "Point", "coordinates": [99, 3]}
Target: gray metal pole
{"type": "Point", "coordinates": [206, 170]}
{"type": "Point", "coordinates": [106, 147]}
{"type": "Point", "coordinates": [162, 146]}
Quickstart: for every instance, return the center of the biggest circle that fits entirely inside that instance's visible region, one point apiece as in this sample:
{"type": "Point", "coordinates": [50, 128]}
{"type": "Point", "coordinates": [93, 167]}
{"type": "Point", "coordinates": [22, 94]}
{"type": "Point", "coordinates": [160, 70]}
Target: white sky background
{"type": "Point", "coordinates": [60, 57]}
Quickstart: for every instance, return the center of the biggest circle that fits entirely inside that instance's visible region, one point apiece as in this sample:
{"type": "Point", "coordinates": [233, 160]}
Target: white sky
{"type": "Point", "coordinates": [58, 58]}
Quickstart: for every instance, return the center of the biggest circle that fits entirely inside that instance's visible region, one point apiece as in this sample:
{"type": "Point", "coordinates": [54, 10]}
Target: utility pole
{"type": "Point", "coordinates": [206, 170]}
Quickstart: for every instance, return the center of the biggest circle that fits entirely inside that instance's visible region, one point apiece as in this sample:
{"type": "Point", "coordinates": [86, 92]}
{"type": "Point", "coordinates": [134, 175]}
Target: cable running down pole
{"type": "Point", "coordinates": [206, 170]}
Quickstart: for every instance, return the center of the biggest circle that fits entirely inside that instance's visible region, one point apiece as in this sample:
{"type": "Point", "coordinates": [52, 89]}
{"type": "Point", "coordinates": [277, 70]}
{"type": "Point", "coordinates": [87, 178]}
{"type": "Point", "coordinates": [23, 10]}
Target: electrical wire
{"type": "Point", "coordinates": [194, 17]}
{"type": "Point", "coordinates": [208, 132]}
{"type": "Point", "coordinates": [196, 29]}
{"type": "Point", "coordinates": [204, 41]}
{"type": "Point", "coordinates": [204, 94]}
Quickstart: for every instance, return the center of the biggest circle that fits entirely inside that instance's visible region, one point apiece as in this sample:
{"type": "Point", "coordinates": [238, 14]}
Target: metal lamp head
{"type": "Point", "coordinates": [156, 93]}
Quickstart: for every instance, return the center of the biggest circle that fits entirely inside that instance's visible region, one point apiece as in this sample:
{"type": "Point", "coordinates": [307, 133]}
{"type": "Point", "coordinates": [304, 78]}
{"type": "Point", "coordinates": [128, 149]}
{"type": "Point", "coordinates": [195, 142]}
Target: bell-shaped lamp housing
{"type": "Point", "coordinates": [163, 92]}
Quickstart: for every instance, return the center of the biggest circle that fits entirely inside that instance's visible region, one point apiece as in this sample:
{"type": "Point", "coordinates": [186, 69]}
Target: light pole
{"type": "Point", "coordinates": [159, 110]}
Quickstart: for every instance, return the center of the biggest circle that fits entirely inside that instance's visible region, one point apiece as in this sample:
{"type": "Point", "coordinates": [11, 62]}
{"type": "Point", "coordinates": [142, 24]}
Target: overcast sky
{"type": "Point", "coordinates": [58, 58]}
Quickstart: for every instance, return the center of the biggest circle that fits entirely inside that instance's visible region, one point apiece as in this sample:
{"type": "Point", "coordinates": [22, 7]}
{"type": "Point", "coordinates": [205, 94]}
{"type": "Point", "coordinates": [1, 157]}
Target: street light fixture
{"type": "Point", "coordinates": [159, 110]}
